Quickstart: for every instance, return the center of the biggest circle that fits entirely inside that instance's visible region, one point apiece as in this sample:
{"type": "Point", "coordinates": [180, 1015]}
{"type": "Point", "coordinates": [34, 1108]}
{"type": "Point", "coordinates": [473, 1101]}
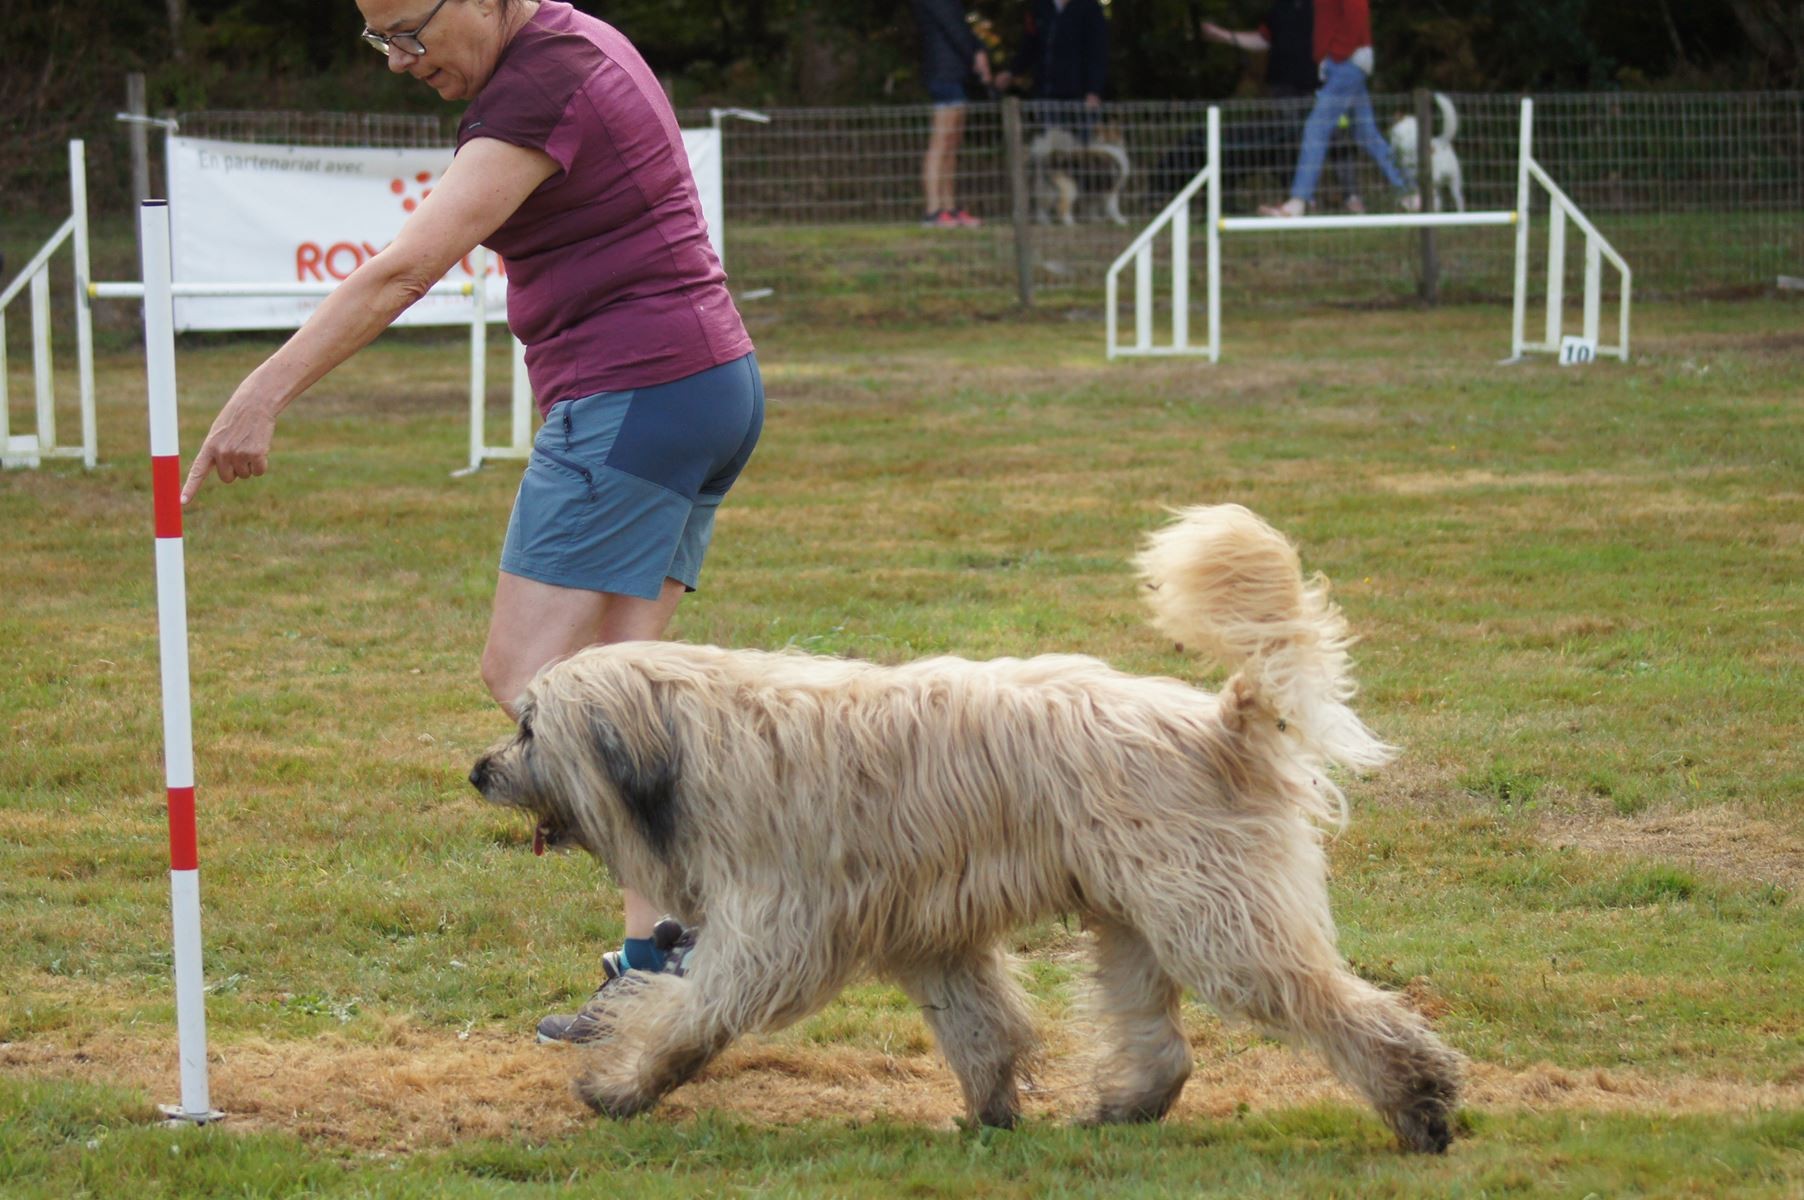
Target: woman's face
{"type": "Point", "coordinates": [463, 38]}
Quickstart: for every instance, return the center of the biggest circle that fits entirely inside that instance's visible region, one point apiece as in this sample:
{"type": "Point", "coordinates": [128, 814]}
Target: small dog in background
{"type": "Point", "coordinates": [821, 817]}
{"type": "Point", "coordinates": [1443, 163]}
{"type": "Point", "coordinates": [1071, 173]}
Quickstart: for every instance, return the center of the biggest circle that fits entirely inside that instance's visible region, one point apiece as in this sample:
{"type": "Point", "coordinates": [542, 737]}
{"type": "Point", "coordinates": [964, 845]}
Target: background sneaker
{"type": "Point", "coordinates": [587, 1024]}
{"type": "Point", "coordinates": [965, 220]}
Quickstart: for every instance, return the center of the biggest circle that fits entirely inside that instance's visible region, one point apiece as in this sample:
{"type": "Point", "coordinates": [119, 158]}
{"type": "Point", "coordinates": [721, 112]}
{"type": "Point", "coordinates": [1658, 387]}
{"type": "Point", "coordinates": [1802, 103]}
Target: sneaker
{"type": "Point", "coordinates": [943, 219]}
{"type": "Point", "coordinates": [1292, 207]}
{"type": "Point", "coordinates": [965, 220]}
{"type": "Point", "coordinates": [1356, 206]}
{"type": "Point", "coordinates": [589, 1023]}
{"type": "Point", "coordinates": [1410, 202]}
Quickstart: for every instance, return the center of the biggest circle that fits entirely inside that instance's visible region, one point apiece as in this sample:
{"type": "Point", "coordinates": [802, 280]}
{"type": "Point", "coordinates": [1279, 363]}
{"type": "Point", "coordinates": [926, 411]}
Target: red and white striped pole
{"type": "Point", "coordinates": [172, 629]}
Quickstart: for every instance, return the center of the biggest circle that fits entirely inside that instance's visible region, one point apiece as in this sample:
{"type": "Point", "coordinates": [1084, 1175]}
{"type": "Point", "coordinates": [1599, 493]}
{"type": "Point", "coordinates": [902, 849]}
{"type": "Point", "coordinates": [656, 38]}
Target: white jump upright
{"type": "Point", "coordinates": [29, 449]}
{"type": "Point", "coordinates": [1176, 217]}
{"type": "Point", "coordinates": [519, 443]}
{"type": "Point", "coordinates": [1560, 209]}
{"type": "Point", "coordinates": [172, 626]}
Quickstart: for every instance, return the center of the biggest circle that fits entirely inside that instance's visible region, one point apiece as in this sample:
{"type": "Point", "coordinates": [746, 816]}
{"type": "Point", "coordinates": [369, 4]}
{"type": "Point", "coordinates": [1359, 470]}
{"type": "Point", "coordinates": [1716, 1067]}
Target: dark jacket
{"type": "Point", "coordinates": [1290, 68]}
{"type": "Point", "coordinates": [1067, 53]}
{"type": "Point", "coordinates": [948, 46]}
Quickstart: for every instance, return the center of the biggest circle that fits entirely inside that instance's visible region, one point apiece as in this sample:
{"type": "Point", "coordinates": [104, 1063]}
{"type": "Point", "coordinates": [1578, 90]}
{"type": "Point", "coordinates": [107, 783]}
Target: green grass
{"type": "Point", "coordinates": [1580, 593]}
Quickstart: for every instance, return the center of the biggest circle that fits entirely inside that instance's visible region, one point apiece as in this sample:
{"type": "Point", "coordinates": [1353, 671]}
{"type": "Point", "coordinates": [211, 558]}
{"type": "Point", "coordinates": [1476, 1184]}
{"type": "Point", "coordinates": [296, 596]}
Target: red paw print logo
{"type": "Point", "coordinates": [400, 186]}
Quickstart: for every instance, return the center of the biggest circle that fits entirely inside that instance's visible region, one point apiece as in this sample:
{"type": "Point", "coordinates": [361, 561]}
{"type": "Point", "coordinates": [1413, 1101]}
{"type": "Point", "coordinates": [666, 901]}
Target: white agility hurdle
{"type": "Point", "coordinates": [1175, 217]}
{"type": "Point", "coordinates": [520, 444]}
{"type": "Point", "coordinates": [28, 450]}
{"type": "Point", "coordinates": [172, 630]}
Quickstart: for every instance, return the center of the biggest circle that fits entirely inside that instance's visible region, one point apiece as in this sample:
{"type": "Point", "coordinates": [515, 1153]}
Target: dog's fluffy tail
{"type": "Point", "coordinates": [1225, 584]}
{"type": "Point", "coordinates": [1449, 116]}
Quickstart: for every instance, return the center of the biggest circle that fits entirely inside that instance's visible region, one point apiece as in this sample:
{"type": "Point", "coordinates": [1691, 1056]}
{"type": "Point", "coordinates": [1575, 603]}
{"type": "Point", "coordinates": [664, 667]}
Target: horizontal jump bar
{"type": "Point", "coordinates": [135, 291]}
{"type": "Point", "coordinates": [1372, 221]}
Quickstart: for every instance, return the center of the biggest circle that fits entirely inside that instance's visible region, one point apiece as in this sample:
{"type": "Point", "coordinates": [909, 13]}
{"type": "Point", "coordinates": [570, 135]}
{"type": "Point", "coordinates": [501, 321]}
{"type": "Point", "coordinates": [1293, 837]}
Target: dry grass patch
{"type": "Point", "coordinates": [416, 1089]}
{"type": "Point", "coordinates": [1733, 845]}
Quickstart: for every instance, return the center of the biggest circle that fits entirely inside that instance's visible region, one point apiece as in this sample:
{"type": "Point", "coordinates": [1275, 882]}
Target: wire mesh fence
{"type": "Point", "coordinates": [1702, 193]}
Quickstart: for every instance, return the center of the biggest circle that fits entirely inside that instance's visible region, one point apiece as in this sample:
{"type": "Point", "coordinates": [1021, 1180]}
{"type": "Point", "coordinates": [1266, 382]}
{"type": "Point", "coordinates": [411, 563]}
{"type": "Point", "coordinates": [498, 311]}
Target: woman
{"type": "Point", "coordinates": [570, 165]}
{"type": "Point", "coordinates": [949, 52]}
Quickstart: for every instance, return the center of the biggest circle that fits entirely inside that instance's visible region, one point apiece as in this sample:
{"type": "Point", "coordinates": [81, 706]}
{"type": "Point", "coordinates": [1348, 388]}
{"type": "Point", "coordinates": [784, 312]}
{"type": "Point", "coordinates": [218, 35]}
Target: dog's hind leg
{"type": "Point", "coordinates": [1374, 1042]}
{"type": "Point", "coordinates": [1270, 957]}
{"type": "Point", "coordinates": [980, 1017]}
{"type": "Point", "coordinates": [1151, 1057]}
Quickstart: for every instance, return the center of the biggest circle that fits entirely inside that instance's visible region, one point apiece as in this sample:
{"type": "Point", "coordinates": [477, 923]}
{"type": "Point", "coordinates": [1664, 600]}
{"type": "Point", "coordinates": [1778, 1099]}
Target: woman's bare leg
{"type": "Point", "coordinates": [940, 166]}
{"type": "Point", "coordinates": [535, 624]}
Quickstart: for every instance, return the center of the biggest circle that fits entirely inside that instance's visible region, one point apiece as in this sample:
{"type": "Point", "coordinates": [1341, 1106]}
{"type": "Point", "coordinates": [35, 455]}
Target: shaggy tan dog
{"type": "Point", "coordinates": [821, 817]}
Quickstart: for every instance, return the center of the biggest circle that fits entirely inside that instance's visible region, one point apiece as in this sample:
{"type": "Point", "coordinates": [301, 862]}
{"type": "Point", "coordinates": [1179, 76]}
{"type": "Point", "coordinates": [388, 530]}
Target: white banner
{"type": "Point", "coordinates": [245, 212]}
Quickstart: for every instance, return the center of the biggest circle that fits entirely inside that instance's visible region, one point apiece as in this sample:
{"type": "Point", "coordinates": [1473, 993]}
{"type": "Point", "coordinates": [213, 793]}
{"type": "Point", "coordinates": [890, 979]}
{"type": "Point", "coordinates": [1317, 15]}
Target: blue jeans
{"type": "Point", "coordinates": [1343, 91]}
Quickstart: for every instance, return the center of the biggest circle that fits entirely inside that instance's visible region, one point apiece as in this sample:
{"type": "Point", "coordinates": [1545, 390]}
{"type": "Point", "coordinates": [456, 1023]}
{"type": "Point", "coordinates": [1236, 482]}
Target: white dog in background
{"type": "Point", "coordinates": [1443, 163]}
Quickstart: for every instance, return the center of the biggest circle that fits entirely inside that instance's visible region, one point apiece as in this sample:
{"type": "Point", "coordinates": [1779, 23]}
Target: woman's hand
{"type": "Point", "coordinates": [237, 447]}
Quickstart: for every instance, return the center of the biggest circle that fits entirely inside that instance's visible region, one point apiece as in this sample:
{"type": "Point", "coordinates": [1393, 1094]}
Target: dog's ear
{"type": "Point", "coordinates": [644, 770]}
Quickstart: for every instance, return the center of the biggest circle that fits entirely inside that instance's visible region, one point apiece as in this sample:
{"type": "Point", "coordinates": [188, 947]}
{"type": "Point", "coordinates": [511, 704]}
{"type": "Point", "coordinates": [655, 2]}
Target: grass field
{"type": "Point", "coordinates": [1581, 594]}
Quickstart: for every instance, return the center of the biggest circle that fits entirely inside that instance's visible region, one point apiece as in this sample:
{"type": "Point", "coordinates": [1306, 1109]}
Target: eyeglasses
{"type": "Point", "coordinates": [406, 43]}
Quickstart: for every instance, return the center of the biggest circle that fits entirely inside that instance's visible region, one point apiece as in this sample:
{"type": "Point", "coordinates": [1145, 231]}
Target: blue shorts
{"type": "Point", "coordinates": [620, 492]}
{"type": "Point", "coordinates": [946, 93]}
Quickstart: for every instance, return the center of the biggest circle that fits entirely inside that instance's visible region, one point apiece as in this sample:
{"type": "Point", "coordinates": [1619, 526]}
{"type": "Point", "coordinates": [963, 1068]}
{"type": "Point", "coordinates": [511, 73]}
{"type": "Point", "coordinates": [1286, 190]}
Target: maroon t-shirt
{"type": "Point", "coordinates": [611, 281]}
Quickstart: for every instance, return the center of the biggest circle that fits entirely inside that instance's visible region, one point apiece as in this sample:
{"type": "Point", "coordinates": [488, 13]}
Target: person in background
{"type": "Point", "coordinates": [1066, 51]}
{"type": "Point", "coordinates": [1286, 36]}
{"type": "Point", "coordinates": [950, 52]}
{"type": "Point", "coordinates": [1343, 52]}
{"type": "Point", "coordinates": [570, 165]}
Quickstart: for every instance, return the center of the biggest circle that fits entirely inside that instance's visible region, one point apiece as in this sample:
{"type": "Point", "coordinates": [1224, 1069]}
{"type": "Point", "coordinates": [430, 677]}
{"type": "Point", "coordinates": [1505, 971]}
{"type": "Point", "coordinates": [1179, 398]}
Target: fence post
{"type": "Point", "coordinates": [1018, 206]}
{"type": "Point", "coordinates": [135, 105]}
{"type": "Point", "coordinates": [1431, 264]}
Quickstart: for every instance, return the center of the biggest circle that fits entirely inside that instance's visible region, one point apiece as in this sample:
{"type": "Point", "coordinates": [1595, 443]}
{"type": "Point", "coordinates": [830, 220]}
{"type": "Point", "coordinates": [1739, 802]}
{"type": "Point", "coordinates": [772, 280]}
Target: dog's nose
{"type": "Point", "coordinates": [479, 775]}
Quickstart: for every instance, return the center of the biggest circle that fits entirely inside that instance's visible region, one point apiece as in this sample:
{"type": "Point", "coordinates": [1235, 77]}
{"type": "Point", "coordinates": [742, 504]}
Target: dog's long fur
{"type": "Point", "coordinates": [1068, 169]}
{"type": "Point", "coordinates": [822, 817]}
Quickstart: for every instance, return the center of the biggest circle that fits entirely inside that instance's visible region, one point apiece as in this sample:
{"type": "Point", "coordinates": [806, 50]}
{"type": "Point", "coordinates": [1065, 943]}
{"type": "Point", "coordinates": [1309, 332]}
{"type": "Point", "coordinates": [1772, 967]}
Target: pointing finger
{"type": "Point", "coordinates": [197, 474]}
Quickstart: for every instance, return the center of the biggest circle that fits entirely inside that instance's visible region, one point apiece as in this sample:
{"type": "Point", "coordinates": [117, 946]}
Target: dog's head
{"type": "Point", "coordinates": [593, 757]}
{"type": "Point", "coordinates": [517, 773]}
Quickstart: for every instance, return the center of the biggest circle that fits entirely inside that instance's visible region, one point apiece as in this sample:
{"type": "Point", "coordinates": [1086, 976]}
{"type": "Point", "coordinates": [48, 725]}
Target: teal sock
{"type": "Point", "coordinates": [640, 954]}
